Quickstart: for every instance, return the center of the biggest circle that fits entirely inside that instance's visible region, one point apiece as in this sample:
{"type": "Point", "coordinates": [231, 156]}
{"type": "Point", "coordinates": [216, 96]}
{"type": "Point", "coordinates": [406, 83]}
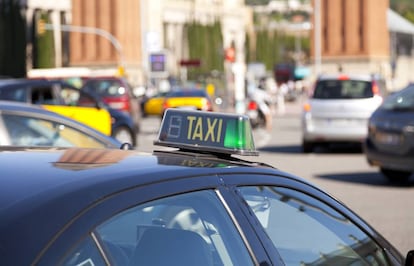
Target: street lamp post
{"type": "Point", "coordinates": [114, 41]}
{"type": "Point", "coordinates": [317, 36]}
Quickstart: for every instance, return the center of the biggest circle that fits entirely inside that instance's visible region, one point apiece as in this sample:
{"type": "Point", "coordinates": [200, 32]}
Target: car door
{"type": "Point", "coordinates": [169, 223]}
{"type": "Point", "coordinates": [67, 101]}
{"type": "Point", "coordinates": [307, 227]}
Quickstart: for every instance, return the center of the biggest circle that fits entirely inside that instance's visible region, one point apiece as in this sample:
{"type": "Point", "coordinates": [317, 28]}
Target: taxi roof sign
{"type": "Point", "coordinates": [207, 131]}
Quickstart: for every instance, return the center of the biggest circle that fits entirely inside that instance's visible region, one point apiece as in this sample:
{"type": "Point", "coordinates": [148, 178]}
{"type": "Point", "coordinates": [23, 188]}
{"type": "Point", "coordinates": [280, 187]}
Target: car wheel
{"type": "Point", "coordinates": [307, 147]}
{"type": "Point", "coordinates": [396, 176]}
{"type": "Point", "coordinates": [123, 134]}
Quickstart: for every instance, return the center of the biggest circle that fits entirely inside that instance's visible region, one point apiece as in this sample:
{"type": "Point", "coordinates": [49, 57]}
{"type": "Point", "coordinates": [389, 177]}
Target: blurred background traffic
{"type": "Point", "coordinates": [246, 56]}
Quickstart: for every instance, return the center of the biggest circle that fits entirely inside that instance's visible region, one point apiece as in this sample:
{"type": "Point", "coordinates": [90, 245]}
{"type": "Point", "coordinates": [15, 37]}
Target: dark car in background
{"type": "Point", "coordinates": [61, 97]}
{"type": "Point", "coordinates": [187, 98]}
{"type": "Point", "coordinates": [117, 93]}
{"type": "Point", "coordinates": [390, 141]}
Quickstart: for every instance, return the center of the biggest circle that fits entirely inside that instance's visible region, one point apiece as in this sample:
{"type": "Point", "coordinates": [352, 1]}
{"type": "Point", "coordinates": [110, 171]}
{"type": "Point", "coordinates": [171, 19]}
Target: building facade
{"type": "Point", "coordinates": [109, 36]}
{"type": "Point", "coordinates": [146, 27]}
{"type": "Point", "coordinates": [60, 14]}
{"type": "Point", "coordinates": [353, 36]}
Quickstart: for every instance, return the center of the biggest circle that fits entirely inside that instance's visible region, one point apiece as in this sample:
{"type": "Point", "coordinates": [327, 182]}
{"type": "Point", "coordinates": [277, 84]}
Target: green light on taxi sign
{"type": "Point", "coordinates": [207, 131]}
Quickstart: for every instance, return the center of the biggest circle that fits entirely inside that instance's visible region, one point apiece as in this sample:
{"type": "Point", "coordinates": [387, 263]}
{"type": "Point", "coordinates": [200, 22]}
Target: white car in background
{"type": "Point", "coordinates": [338, 109]}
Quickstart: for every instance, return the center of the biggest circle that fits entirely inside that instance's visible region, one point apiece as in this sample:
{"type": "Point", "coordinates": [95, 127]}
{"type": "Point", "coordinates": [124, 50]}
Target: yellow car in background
{"type": "Point", "coordinates": [96, 118]}
{"type": "Point", "coordinates": [153, 105]}
{"type": "Point", "coordinates": [191, 99]}
{"type": "Point", "coordinates": [58, 97]}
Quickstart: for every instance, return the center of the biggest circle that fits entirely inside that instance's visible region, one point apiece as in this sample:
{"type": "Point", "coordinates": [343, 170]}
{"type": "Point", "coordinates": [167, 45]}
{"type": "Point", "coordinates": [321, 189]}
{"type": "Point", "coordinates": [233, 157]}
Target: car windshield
{"type": "Point", "coordinates": [403, 100]}
{"type": "Point", "coordinates": [187, 93]}
{"type": "Point", "coordinates": [342, 89]}
{"type": "Point", "coordinates": [105, 88]}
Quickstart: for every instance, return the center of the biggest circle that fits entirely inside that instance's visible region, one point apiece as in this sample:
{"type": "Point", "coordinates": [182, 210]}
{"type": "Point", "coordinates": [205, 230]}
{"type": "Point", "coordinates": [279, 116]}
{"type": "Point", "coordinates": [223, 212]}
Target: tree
{"type": "Point", "coordinates": [205, 43]}
{"type": "Point", "coordinates": [404, 7]}
{"type": "Point", "coordinates": [272, 47]}
{"type": "Point", "coordinates": [12, 29]}
{"type": "Point", "coordinates": [44, 50]}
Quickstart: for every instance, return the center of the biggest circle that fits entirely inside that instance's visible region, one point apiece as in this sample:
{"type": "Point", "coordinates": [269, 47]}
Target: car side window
{"type": "Point", "coordinates": [86, 253]}
{"type": "Point", "coordinates": [69, 96]}
{"type": "Point", "coordinates": [187, 229]}
{"type": "Point", "coordinates": [43, 95]}
{"type": "Point", "coordinates": [14, 94]}
{"type": "Point", "coordinates": [307, 231]}
{"type": "Point", "coordinates": [34, 131]}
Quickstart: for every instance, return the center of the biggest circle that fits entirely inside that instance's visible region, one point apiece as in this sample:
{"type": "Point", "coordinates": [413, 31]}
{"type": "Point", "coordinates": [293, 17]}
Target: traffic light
{"type": "Point", "coordinates": [230, 55]}
{"type": "Point", "coordinates": [41, 27]}
{"type": "Point", "coordinates": [121, 71]}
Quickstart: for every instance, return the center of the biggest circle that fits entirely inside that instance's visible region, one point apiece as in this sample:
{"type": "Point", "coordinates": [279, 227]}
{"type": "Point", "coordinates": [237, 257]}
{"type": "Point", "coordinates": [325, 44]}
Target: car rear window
{"type": "Point", "coordinates": [343, 89]}
{"type": "Point", "coordinates": [187, 93]}
{"type": "Point", "coordinates": [105, 88]}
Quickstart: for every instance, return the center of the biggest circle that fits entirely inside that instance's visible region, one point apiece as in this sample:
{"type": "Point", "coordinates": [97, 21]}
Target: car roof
{"type": "Point", "coordinates": [348, 76]}
{"type": "Point", "coordinates": [37, 182]}
{"type": "Point", "coordinates": [78, 178]}
{"type": "Point", "coordinates": [61, 172]}
{"type": "Point", "coordinates": [56, 171]}
{"type": "Point", "coordinates": [184, 92]}
{"type": "Point", "coordinates": [22, 81]}
{"type": "Point", "coordinates": [27, 107]}
{"type": "Point", "coordinates": [58, 174]}
{"type": "Point", "coordinates": [104, 78]}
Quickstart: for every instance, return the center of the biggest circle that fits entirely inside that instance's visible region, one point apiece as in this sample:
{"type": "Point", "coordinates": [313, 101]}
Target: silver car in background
{"type": "Point", "coordinates": [338, 109]}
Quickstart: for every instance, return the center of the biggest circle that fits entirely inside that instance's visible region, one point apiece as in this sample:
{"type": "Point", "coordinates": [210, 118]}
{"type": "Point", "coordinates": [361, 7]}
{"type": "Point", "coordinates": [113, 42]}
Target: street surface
{"type": "Point", "coordinates": [343, 172]}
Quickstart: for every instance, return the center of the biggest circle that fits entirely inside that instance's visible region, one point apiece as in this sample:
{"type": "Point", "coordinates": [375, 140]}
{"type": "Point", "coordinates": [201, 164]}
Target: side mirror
{"type": "Point", "coordinates": [409, 259]}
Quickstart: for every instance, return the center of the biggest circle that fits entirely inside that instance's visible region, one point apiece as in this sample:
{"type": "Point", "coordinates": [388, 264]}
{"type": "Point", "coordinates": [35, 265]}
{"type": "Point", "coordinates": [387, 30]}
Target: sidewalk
{"type": "Point", "coordinates": [290, 108]}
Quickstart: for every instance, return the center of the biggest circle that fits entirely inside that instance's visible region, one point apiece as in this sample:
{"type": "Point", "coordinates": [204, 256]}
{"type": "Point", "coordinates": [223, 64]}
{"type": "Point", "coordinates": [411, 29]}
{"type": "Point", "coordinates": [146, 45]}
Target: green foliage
{"type": "Point", "coordinates": [44, 46]}
{"type": "Point", "coordinates": [13, 40]}
{"type": "Point", "coordinates": [256, 2]}
{"type": "Point", "coordinates": [404, 7]}
{"type": "Point", "coordinates": [410, 16]}
{"type": "Point", "coordinates": [205, 42]}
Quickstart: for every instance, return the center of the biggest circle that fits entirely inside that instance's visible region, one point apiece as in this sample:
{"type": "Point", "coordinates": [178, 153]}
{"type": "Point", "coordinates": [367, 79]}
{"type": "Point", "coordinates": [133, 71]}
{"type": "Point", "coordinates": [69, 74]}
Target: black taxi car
{"type": "Point", "coordinates": [194, 202]}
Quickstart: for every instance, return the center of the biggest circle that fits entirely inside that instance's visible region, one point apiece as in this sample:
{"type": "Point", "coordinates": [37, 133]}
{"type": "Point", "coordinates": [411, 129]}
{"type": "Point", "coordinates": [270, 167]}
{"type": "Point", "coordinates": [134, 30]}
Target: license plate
{"type": "Point", "coordinates": [341, 122]}
{"type": "Point", "coordinates": [388, 138]}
